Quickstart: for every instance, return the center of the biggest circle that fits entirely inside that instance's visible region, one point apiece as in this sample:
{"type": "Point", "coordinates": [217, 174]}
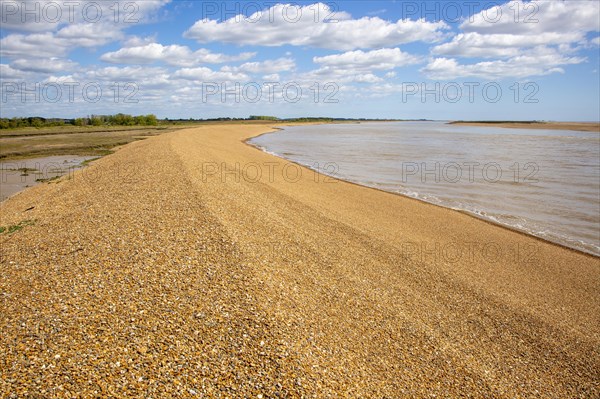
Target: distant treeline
{"type": "Point", "coordinates": [94, 120]}
{"type": "Point", "coordinates": [118, 120]}
{"type": "Point", "coordinates": [263, 118]}
{"type": "Point", "coordinates": [310, 119]}
{"type": "Point", "coordinates": [494, 122]}
{"type": "Point", "coordinates": [14, 123]}
{"type": "Point", "coordinates": [151, 120]}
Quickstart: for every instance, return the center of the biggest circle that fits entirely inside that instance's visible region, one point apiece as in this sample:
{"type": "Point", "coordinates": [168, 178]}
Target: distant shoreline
{"type": "Point", "coordinates": [578, 126]}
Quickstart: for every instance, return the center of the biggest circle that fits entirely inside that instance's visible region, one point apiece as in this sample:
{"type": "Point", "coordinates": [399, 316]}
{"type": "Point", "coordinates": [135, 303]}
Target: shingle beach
{"type": "Point", "coordinates": [192, 264]}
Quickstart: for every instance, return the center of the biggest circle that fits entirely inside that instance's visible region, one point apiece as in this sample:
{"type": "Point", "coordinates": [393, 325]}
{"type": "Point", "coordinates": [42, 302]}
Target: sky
{"type": "Point", "coordinates": [447, 60]}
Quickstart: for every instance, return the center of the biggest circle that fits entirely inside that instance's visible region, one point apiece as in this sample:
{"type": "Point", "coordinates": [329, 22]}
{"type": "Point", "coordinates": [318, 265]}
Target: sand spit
{"type": "Point", "coordinates": [190, 264]}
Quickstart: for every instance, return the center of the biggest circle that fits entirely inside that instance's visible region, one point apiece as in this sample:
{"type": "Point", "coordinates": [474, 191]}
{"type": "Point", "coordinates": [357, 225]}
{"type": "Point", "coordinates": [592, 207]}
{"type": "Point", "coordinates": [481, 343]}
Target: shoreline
{"type": "Point", "coordinates": [593, 127]}
{"type": "Point", "coordinates": [275, 129]}
{"type": "Point", "coordinates": [296, 287]}
{"type": "Point", "coordinates": [464, 212]}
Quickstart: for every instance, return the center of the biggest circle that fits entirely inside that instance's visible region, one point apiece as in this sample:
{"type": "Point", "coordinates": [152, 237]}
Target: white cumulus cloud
{"type": "Point", "coordinates": [518, 39]}
{"type": "Point", "coordinates": [314, 25]}
{"type": "Point", "coordinates": [542, 61]}
{"type": "Point", "coordinates": [534, 17]}
{"type": "Point", "coordinates": [267, 66]}
{"type": "Point", "coordinates": [49, 15]}
{"type": "Point", "coordinates": [172, 54]}
{"type": "Point", "coordinates": [202, 74]}
{"type": "Point", "coordinates": [50, 65]}
{"type": "Point", "coordinates": [386, 58]}
{"type": "Point", "coordinates": [475, 44]}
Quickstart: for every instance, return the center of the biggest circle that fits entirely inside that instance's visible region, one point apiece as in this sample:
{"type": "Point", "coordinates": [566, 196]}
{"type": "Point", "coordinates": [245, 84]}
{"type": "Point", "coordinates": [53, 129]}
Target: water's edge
{"type": "Point", "coordinates": [480, 217]}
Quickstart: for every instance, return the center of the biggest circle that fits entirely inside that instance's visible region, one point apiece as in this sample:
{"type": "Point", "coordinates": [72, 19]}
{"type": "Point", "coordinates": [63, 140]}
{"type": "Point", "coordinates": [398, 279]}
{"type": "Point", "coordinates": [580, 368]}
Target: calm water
{"type": "Point", "coordinates": [544, 182]}
{"type": "Point", "coordinates": [16, 176]}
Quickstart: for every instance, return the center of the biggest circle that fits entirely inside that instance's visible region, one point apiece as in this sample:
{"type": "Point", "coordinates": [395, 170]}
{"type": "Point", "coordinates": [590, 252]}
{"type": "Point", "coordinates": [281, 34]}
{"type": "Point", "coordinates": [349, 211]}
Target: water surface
{"type": "Point", "coordinates": [17, 175]}
{"type": "Point", "coordinates": [543, 182]}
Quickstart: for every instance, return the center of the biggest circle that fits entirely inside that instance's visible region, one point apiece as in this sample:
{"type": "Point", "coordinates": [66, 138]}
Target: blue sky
{"type": "Point", "coordinates": [374, 59]}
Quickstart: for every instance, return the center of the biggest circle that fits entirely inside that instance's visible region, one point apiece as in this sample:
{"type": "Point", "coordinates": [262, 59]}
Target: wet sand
{"type": "Point", "coordinates": [191, 263]}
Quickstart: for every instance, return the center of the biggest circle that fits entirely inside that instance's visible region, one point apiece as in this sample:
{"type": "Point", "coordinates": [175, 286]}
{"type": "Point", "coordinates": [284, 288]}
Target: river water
{"type": "Point", "coordinates": [542, 182]}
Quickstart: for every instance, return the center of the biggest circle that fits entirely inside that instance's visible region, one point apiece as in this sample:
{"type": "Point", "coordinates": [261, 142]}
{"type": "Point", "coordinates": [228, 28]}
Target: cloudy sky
{"type": "Point", "coordinates": [372, 59]}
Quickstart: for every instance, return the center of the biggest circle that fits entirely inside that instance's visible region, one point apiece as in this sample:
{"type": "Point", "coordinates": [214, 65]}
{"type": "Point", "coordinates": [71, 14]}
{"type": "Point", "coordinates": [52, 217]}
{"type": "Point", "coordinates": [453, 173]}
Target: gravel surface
{"type": "Point", "coordinates": [173, 269]}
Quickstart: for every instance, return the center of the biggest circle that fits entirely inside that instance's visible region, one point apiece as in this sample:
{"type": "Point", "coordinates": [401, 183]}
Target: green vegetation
{"type": "Point", "coordinates": [263, 118]}
{"type": "Point", "coordinates": [125, 120]}
{"type": "Point", "coordinates": [312, 119]}
{"type": "Point", "coordinates": [16, 227]}
{"type": "Point", "coordinates": [15, 123]}
{"type": "Point", "coordinates": [117, 120]}
{"type": "Point", "coordinates": [48, 180]}
{"type": "Point", "coordinates": [94, 120]}
{"type": "Point", "coordinates": [70, 140]}
{"type": "Point", "coordinates": [88, 161]}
